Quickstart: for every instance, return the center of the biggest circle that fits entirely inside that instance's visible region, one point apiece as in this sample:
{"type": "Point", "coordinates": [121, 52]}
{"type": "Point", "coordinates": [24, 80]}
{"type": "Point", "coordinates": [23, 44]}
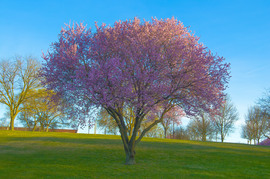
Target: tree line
{"type": "Point", "coordinates": [27, 99]}
{"type": "Point", "coordinates": [257, 122]}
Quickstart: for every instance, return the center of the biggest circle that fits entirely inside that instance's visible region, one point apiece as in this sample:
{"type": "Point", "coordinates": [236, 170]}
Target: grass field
{"type": "Point", "coordinates": [63, 155]}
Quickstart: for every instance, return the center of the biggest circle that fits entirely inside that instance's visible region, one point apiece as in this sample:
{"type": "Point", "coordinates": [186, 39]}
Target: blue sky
{"type": "Point", "coordinates": [236, 30]}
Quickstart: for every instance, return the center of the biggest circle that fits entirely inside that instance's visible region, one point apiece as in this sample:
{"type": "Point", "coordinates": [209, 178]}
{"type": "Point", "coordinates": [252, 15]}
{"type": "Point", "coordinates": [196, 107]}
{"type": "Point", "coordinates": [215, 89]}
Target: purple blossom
{"type": "Point", "coordinates": [140, 64]}
{"type": "Point", "coordinates": [265, 142]}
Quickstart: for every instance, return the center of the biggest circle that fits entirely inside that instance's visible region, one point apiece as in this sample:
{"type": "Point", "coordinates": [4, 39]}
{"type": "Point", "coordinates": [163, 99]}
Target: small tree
{"type": "Point", "coordinates": [181, 133]}
{"type": "Point", "coordinates": [225, 118]}
{"type": "Point", "coordinates": [264, 104]}
{"type": "Point", "coordinates": [247, 131]}
{"type": "Point", "coordinates": [173, 116]}
{"type": "Point", "coordinates": [256, 124]}
{"type": "Point", "coordinates": [201, 127]}
{"type": "Point", "coordinates": [42, 110]}
{"type": "Point", "coordinates": [27, 120]}
{"type": "Point", "coordinates": [18, 79]}
{"type": "Point", "coordinates": [3, 123]}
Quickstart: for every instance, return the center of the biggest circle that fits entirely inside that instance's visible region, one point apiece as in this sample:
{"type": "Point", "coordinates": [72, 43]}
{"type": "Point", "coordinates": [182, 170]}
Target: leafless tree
{"type": "Point", "coordinates": [18, 78]}
{"type": "Point", "coordinates": [256, 124]}
{"type": "Point", "coordinates": [201, 127]}
{"type": "Point", "coordinates": [247, 131]}
{"type": "Point", "coordinates": [181, 133]}
{"type": "Point", "coordinates": [224, 120]}
{"type": "Point", "coordinates": [264, 104]}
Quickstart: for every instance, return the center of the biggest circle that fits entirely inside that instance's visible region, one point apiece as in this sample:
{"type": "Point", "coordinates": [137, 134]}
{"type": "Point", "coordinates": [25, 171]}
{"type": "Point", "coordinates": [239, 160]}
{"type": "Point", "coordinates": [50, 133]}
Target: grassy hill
{"type": "Point", "coordinates": [64, 155]}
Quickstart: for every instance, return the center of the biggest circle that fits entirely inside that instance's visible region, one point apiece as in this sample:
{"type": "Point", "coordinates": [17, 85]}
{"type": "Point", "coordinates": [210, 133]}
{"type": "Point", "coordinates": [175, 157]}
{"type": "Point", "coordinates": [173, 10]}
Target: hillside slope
{"type": "Point", "coordinates": [63, 155]}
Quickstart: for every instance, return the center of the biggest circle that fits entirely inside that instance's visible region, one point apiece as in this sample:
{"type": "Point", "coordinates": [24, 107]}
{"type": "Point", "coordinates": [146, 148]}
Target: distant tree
{"type": "Point", "coordinates": [42, 110]}
{"type": "Point", "coordinates": [155, 132]}
{"type": "Point", "coordinates": [224, 118]}
{"type": "Point", "coordinates": [201, 127]}
{"type": "Point", "coordinates": [27, 120]}
{"type": "Point", "coordinates": [247, 131]}
{"type": "Point", "coordinates": [181, 133]}
{"type": "Point", "coordinates": [171, 118]}
{"type": "Point", "coordinates": [139, 64]}
{"type": "Point", "coordinates": [264, 104]}
{"type": "Point", "coordinates": [256, 124]}
{"type": "Point", "coordinates": [18, 79]}
{"type": "Point", "coordinates": [106, 122]}
{"type": "Point", "coordinates": [3, 122]}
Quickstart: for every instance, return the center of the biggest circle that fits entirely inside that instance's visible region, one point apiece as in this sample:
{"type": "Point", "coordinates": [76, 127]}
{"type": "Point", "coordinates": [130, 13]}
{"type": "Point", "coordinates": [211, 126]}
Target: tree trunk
{"type": "Point", "coordinates": [130, 156]}
{"type": "Point", "coordinates": [41, 127]}
{"type": "Point", "coordinates": [173, 130]}
{"type": "Point", "coordinates": [165, 133]}
{"type": "Point", "coordinates": [11, 127]}
{"type": "Point", "coordinates": [47, 128]}
{"type": "Point", "coordinates": [204, 137]}
{"type": "Point", "coordinates": [222, 135]}
{"type": "Point", "coordinates": [222, 138]}
{"type": "Point", "coordinates": [34, 128]}
{"type": "Point", "coordinates": [13, 114]}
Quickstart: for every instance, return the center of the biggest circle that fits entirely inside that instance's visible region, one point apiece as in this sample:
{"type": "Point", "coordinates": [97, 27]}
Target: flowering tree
{"type": "Point", "coordinates": [137, 64]}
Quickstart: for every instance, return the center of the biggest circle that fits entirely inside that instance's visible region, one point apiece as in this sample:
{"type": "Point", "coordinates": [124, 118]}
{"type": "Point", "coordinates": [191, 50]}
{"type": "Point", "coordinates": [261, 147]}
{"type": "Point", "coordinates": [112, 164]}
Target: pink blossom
{"type": "Point", "coordinates": [140, 64]}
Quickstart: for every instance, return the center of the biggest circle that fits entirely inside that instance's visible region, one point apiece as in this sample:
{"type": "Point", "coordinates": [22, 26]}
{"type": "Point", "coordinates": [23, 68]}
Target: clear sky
{"type": "Point", "coordinates": [236, 30]}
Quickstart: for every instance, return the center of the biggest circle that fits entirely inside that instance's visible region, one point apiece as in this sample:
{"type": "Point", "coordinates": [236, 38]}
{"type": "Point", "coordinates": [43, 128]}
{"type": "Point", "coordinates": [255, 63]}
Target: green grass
{"type": "Point", "coordinates": [63, 155]}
